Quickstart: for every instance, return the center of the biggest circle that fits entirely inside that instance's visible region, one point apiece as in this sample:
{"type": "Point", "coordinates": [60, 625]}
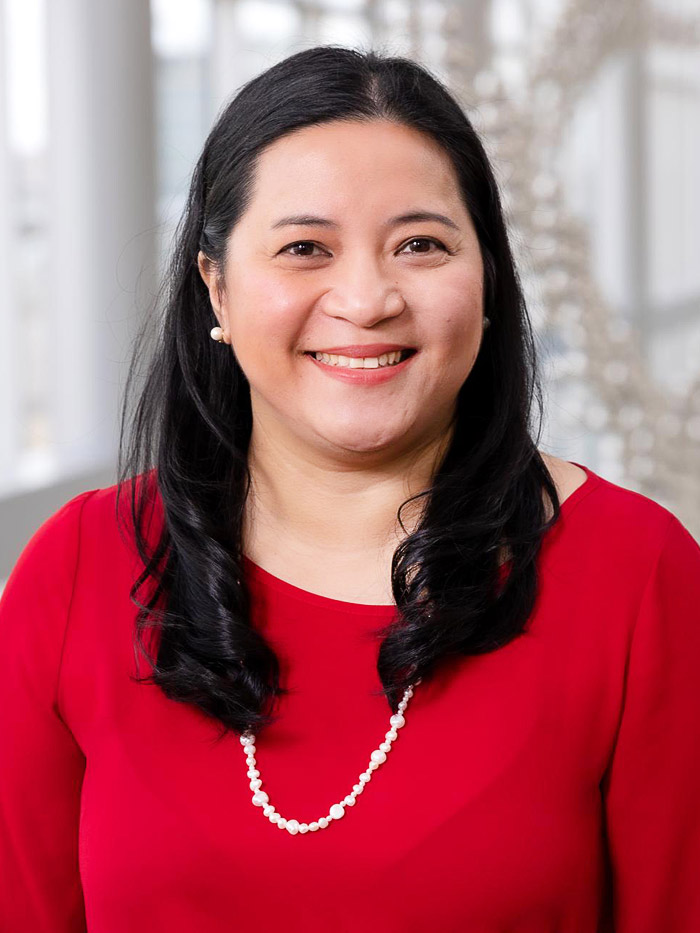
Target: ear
{"type": "Point", "coordinates": [208, 272]}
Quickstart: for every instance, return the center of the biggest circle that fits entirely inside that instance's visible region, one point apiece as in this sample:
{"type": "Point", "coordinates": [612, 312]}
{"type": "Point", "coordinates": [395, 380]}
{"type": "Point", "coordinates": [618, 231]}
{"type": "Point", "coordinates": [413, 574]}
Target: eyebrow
{"type": "Point", "coordinates": [309, 220]}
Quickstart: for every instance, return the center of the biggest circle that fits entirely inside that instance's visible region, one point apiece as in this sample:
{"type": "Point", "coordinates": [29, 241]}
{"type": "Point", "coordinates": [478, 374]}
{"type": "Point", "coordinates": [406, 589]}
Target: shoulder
{"type": "Point", "coordinates": [567, 476]}
{"type": "Point", "coordinates": [109, 508]}
{"type": "Point", "coordinates": [50, 547]}
{"type": "Point", "coordinates": [91, 520]}
{"type": "Point", "coordinates": [610, 529]}
{"type": "Point", "coordinates": [36, 599]}
{"type": "Point", "coordinates": [611, 500]}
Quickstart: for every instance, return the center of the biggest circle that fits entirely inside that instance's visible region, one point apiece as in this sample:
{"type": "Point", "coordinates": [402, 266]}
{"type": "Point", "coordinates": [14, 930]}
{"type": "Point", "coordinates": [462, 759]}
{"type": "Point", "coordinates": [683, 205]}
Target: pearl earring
{"type": "Point", "coordinates": [487, 322]}
{"type": "Point", "coordinates": [217, 333]}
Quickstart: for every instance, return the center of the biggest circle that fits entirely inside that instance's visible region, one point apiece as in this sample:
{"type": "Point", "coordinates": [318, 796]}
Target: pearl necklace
{"type": "Point", "coordinates": [337, 811]}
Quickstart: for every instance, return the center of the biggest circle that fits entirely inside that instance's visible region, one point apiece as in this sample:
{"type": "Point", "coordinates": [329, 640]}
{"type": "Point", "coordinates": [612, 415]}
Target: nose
{"type": "Point", "coordinates": [362, 294]}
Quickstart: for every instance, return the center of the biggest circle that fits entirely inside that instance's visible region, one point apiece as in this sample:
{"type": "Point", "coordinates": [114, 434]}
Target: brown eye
{"type": "Point", "coordinates": [302, 243]}
{"type": "Point", "coordinates": [423, 239]}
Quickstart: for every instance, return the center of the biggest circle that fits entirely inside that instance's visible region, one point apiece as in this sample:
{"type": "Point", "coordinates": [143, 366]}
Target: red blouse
{"type": "Point", "coordinates": [552, 786]}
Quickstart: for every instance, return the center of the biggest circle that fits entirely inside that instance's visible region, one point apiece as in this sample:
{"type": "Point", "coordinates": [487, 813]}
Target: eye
{"type": "Point", "coordinates": [425, 239]}
{"type": "Point", "coordinates": [303, 243]}
{"type": "Point", "coordinates": [307, 247]}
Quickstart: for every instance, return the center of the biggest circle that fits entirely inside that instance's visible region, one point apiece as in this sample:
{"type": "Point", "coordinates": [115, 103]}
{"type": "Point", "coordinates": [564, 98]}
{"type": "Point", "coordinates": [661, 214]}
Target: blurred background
{"type": "Point", "coordinates": [590, 111]}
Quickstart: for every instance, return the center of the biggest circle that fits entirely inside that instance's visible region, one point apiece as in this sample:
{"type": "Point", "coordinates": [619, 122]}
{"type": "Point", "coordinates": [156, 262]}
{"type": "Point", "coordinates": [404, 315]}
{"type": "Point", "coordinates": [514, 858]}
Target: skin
{"type": "Point", "coordinates": [332, 461]}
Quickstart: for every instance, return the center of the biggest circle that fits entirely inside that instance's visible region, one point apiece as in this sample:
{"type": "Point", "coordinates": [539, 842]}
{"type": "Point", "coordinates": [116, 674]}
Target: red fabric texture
{"type": "Point", "coordinates": [552, 786]}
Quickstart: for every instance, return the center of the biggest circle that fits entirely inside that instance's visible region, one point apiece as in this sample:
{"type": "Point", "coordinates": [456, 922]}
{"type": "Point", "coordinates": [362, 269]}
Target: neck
{"type": "Point", "coordinates": [343, 506]}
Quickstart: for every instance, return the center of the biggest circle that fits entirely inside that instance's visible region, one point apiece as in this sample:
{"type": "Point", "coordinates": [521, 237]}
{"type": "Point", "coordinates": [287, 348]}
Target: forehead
{"type": "Point", "coordinates": [328, 165]}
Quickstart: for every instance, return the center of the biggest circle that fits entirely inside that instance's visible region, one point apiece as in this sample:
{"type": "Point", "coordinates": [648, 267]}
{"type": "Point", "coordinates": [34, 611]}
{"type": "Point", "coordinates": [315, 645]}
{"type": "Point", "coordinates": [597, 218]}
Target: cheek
{"type": "Point", "coordinates": [266, 316]}
{"type": "Point", "coordinates": [456, 332]}
{"type": "Point", "coordinates": [457, 321]}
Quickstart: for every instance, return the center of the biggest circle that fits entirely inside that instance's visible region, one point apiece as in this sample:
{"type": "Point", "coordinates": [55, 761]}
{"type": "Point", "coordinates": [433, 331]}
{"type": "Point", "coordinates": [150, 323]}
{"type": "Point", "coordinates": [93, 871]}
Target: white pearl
{"type": "Point", "coordinates": [216, 333]}
{"type": "Point", "coordinates": [337, 811]}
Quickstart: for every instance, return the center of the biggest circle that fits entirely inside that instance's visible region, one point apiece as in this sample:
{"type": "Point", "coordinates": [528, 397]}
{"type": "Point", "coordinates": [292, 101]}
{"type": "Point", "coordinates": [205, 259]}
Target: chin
{"type": "Point", "coordinates": [358, 439]}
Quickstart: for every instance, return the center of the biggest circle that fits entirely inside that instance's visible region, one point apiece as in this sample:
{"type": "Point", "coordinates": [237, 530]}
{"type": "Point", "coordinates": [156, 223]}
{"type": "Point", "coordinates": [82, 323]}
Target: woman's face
{"type": "Point", "coordinates": [327, 258]}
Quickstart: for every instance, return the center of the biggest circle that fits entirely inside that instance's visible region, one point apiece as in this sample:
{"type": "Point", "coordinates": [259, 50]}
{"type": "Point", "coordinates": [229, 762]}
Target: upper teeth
{"type": "Point", "coordinates": [360, 362]}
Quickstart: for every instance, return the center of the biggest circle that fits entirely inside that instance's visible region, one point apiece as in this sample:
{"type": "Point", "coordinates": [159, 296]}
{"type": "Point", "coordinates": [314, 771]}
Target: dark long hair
{"type": "Point", "coordinates": [184, 440]}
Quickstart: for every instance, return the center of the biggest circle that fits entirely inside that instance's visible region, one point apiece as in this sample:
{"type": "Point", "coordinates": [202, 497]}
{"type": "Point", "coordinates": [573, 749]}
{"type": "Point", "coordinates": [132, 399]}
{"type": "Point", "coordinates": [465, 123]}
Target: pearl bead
{"type": "Point", "coordinates": [337, 811]}
{"type": "Point", "coordinates": [216, 333]}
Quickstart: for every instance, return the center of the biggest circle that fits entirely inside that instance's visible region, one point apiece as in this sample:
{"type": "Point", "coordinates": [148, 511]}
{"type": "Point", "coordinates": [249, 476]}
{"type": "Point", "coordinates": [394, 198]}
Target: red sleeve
{"type": "Point", "coordinates": [652, 786]}
{"type": "Point", "coordinates": [41, 766]}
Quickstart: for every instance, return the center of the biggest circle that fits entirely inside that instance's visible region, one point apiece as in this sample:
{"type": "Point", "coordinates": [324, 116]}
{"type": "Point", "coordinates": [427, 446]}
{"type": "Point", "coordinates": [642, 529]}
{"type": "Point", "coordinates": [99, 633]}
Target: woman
{"type": "Point", "coordinates": [335, 529]}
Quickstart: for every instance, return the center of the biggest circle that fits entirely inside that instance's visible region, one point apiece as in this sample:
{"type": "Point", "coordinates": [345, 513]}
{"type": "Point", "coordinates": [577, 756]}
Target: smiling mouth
{"type": "Point", "coordinates": [363, 362]}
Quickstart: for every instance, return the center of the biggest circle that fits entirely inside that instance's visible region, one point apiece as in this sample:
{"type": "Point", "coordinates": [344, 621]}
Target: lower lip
{"type": "Point", "coordinates": [365, 377]}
